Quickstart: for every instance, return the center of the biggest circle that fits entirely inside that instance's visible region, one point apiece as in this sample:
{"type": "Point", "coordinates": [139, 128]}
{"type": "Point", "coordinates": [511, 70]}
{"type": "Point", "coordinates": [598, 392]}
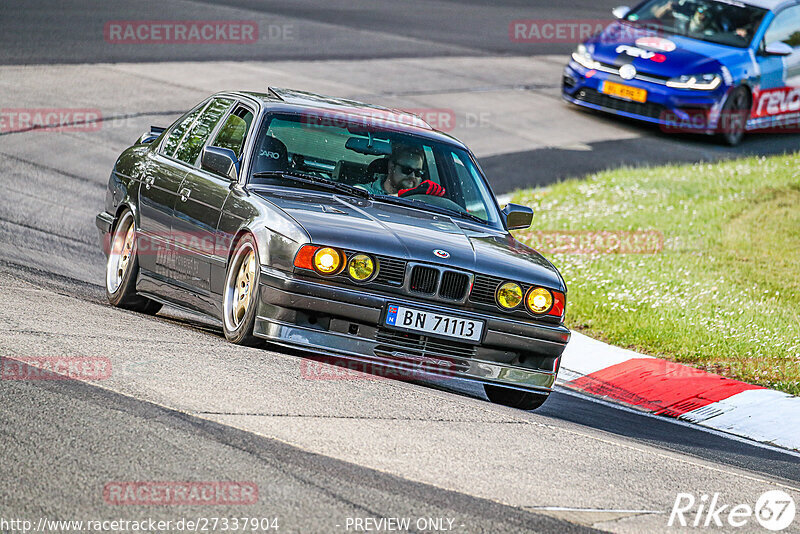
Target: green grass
{"type": "Point", "coordinates": [723, 294]}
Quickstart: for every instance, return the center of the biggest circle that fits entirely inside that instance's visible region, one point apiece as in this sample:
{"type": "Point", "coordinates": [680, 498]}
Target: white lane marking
{"type": "Point", "coordinates": [601, 510]}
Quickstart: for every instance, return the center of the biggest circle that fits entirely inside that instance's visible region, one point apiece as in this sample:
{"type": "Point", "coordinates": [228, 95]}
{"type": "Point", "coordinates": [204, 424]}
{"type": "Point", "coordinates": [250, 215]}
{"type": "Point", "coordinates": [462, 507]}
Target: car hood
{"type": "Point", "coordinates": [412, 234]}
{"type": "Point", "coordinates": [689, 56]}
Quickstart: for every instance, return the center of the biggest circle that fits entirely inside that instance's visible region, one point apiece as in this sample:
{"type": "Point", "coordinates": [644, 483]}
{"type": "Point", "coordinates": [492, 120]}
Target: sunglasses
{"type": "Point", "coordinates": [408, 171]}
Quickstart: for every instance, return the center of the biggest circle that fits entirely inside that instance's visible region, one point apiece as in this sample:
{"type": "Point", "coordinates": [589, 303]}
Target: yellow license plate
{"type": "Point", "coordinates": [624, 91]}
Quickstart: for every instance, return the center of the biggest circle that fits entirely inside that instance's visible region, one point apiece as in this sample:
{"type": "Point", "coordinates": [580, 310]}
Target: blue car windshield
{"type": "Point", "coordinates": [729, 23]}
{"type": "Point", "coordinates": [370, 155]}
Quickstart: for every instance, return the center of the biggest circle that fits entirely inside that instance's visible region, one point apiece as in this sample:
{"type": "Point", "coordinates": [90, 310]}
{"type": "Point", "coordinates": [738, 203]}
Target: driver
{"type": "Point", "coordinates": [404, 175]}
{"type": "Point", "coordinates": [701, 21]}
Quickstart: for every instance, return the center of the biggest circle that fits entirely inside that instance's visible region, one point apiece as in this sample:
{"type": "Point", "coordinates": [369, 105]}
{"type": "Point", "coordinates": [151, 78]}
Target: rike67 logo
{"type": "Point", "coordinates": [774, 510]}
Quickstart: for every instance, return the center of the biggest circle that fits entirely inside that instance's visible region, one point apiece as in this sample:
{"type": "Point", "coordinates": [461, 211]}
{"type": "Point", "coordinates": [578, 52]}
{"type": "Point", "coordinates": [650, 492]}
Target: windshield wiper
{"type": "Point", "coordinates": [310, 179]}
{"type": "Point", "coordinates": [415, 203]}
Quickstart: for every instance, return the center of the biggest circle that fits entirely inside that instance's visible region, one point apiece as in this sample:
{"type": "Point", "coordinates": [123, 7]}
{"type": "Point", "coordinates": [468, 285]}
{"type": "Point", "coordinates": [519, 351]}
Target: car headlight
{"type": "Point", "coordinates": [583, 57]}
{"type": "Point", "coordinates": [509, 295]}
{"type": "Point", "coordinates": [327, 260]}
{"type": "Point", "coordinates": [702, 82]}
{"type": "Point", "coordinates": [539, 300]}
{"type": "Point", "coordinates": [361, 267]}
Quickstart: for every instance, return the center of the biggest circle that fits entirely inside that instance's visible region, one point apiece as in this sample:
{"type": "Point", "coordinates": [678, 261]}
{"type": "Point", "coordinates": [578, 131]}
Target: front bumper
{"type": "Point", "coordinates": [675, 110]}
{"type": "Point", "coordinates": [348, 322]}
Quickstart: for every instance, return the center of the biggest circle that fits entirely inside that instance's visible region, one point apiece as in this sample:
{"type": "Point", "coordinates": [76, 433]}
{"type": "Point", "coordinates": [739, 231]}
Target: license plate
{"type": "Point", "coordinates": [624, 91]}
{"type": "Point", "coordinates": [433, 323]}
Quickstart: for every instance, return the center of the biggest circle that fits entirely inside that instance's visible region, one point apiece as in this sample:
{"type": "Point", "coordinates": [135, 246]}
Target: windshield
{"type": "Point", "coordinates": [392, 166]}
{"type": "Point", "coordinates": [723, 22]}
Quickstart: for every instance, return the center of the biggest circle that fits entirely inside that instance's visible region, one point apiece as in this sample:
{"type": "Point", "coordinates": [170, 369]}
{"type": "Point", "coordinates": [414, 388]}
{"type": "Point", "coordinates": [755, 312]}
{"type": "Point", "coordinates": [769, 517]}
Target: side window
{"type": "Point", "coordinates": [472, 198]}
{"type": "Point", "coordinates": [472, 190]}
{"type": "Point", "coordinates": [193, 142]}
{"type": "Point", "coordinates": [785, 27]}
{"type": "Point", "coordinates": [234, 132]}
{"type": "Point", "coordinates": [177, 131]}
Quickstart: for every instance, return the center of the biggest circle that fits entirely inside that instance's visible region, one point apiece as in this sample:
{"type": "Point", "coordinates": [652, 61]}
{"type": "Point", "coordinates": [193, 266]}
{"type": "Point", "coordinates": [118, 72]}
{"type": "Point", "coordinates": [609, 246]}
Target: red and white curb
{"type": "Point", "coordinates": [674, 390]}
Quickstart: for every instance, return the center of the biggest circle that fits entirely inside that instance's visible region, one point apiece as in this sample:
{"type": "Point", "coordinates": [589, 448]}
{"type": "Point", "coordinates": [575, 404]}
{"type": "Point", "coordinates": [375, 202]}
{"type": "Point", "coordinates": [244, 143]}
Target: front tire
{"type": "Point", "coordinates": [523, 400]}
{"type": "Point", "coordinates": [122, 268]}
{"type": "Point", "coordinates": [734, 116]}
{"type": "Point", "coordinates": [240, 295]}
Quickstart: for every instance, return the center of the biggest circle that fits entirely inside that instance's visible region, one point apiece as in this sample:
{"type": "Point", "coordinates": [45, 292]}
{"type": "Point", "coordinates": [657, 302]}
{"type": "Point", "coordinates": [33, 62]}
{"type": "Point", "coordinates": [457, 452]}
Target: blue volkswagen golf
{"type": "Point", "coordinates": [720, 67]}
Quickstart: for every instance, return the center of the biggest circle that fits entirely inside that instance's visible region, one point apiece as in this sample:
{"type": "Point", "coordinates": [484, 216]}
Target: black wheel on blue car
{"type": "Point", "coordinates": [524, 400]}
{"type": "Point", "coordinates": [240, 295]}
{"type": "Point", "coordinates": [734, 116]}
{"type": "Point", "coordinates": [122, 268]}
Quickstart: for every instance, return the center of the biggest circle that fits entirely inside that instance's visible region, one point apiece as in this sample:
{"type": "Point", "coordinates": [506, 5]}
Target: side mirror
{"type": "Point", "coordinates": [619, 12]}
{"type": "Point", "coordinates": [222, 161]}
{"type": "Point", "coordinates": [517, 217]}
{"type": "Point", "coordinates": [778, 48]}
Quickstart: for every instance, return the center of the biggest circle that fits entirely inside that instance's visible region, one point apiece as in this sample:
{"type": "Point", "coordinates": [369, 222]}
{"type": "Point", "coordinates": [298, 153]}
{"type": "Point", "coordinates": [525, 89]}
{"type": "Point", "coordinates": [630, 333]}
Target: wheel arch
{"type": "Point", "coordinates": [242, 232]}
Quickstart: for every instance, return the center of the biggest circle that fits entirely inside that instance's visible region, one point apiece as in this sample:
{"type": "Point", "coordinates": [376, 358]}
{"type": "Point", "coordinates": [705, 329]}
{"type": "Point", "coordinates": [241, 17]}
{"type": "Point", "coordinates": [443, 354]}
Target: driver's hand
{"type": "Point", "coordinates": [425, 188]}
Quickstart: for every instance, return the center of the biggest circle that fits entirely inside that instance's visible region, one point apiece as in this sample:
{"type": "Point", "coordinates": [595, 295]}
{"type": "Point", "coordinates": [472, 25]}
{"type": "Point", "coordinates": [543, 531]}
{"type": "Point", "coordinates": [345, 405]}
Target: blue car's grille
{"type": "Point", "coordinates": [646, 109]}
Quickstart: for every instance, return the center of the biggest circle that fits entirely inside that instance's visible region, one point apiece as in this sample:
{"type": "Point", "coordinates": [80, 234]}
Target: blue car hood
{"type": "Point", "coordinates": [689, 56]}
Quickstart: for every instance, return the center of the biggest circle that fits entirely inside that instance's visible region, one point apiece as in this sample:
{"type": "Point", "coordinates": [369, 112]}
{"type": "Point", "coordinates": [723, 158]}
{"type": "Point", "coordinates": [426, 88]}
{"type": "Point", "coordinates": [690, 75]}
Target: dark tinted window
{"type": "Point", "coordinates": [725, 22]}
{"type": "Point", "coordinates": [234, 132]}
{"type": "Point", "coordinates": [193, 142]}
{"type": "Point", "coordinates": [177, 131]}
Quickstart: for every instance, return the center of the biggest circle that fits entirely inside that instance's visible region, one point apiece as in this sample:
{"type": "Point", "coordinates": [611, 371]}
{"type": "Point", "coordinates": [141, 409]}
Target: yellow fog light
{"type": "Point", "coordinates": [361, 267]}
{"type": "Point", "coordinates": [539, 300]}
{"type": "Point", "coordinates": [509, 295]}
{"type": "Point", "coordinates": [327, 261]}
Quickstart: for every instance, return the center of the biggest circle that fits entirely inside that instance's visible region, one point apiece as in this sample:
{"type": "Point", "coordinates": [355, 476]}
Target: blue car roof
{"type": "Point", "coordinates": [772, 5]}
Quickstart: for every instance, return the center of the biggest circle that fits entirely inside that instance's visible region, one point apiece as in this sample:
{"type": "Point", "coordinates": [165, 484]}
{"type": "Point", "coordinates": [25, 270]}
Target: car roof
{"type": "Point", "coordinates": [772, 5]}
{"type": "Point", "coordinates": [294, 101]}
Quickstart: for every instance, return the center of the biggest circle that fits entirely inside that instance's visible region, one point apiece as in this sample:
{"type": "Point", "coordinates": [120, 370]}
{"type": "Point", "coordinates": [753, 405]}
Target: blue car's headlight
{"type": "Point", "coordinates": [583, 57]}
{"type": "Point", "coordinates": [702, 82]}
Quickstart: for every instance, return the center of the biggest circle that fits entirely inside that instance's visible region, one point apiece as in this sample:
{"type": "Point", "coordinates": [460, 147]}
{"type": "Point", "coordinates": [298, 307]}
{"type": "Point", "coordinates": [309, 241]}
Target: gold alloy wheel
{"type": "Point", "coordinates": [244, 287]}
{"type": "Point", "coordinates": [120, 256]}
{"type": "Point", "coordinates": [240, 286]}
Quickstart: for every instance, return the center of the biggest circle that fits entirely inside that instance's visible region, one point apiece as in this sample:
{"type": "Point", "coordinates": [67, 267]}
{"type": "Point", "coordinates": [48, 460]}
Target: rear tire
{"type": "Point", "coordinates": [240, 294]}
{"type": "Point", "coordinates": [523, 400]}
{"type": "Point", "coordinates": [122, 268]}
{"type": "Point", "coordinates": [734, 116]}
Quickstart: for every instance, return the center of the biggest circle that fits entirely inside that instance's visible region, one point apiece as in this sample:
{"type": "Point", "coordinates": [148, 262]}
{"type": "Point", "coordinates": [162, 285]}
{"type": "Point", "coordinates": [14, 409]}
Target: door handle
{"type": "Point", "coordinates": [184, 193]}
{"type": "Point", "coordinates": [148, 181]}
